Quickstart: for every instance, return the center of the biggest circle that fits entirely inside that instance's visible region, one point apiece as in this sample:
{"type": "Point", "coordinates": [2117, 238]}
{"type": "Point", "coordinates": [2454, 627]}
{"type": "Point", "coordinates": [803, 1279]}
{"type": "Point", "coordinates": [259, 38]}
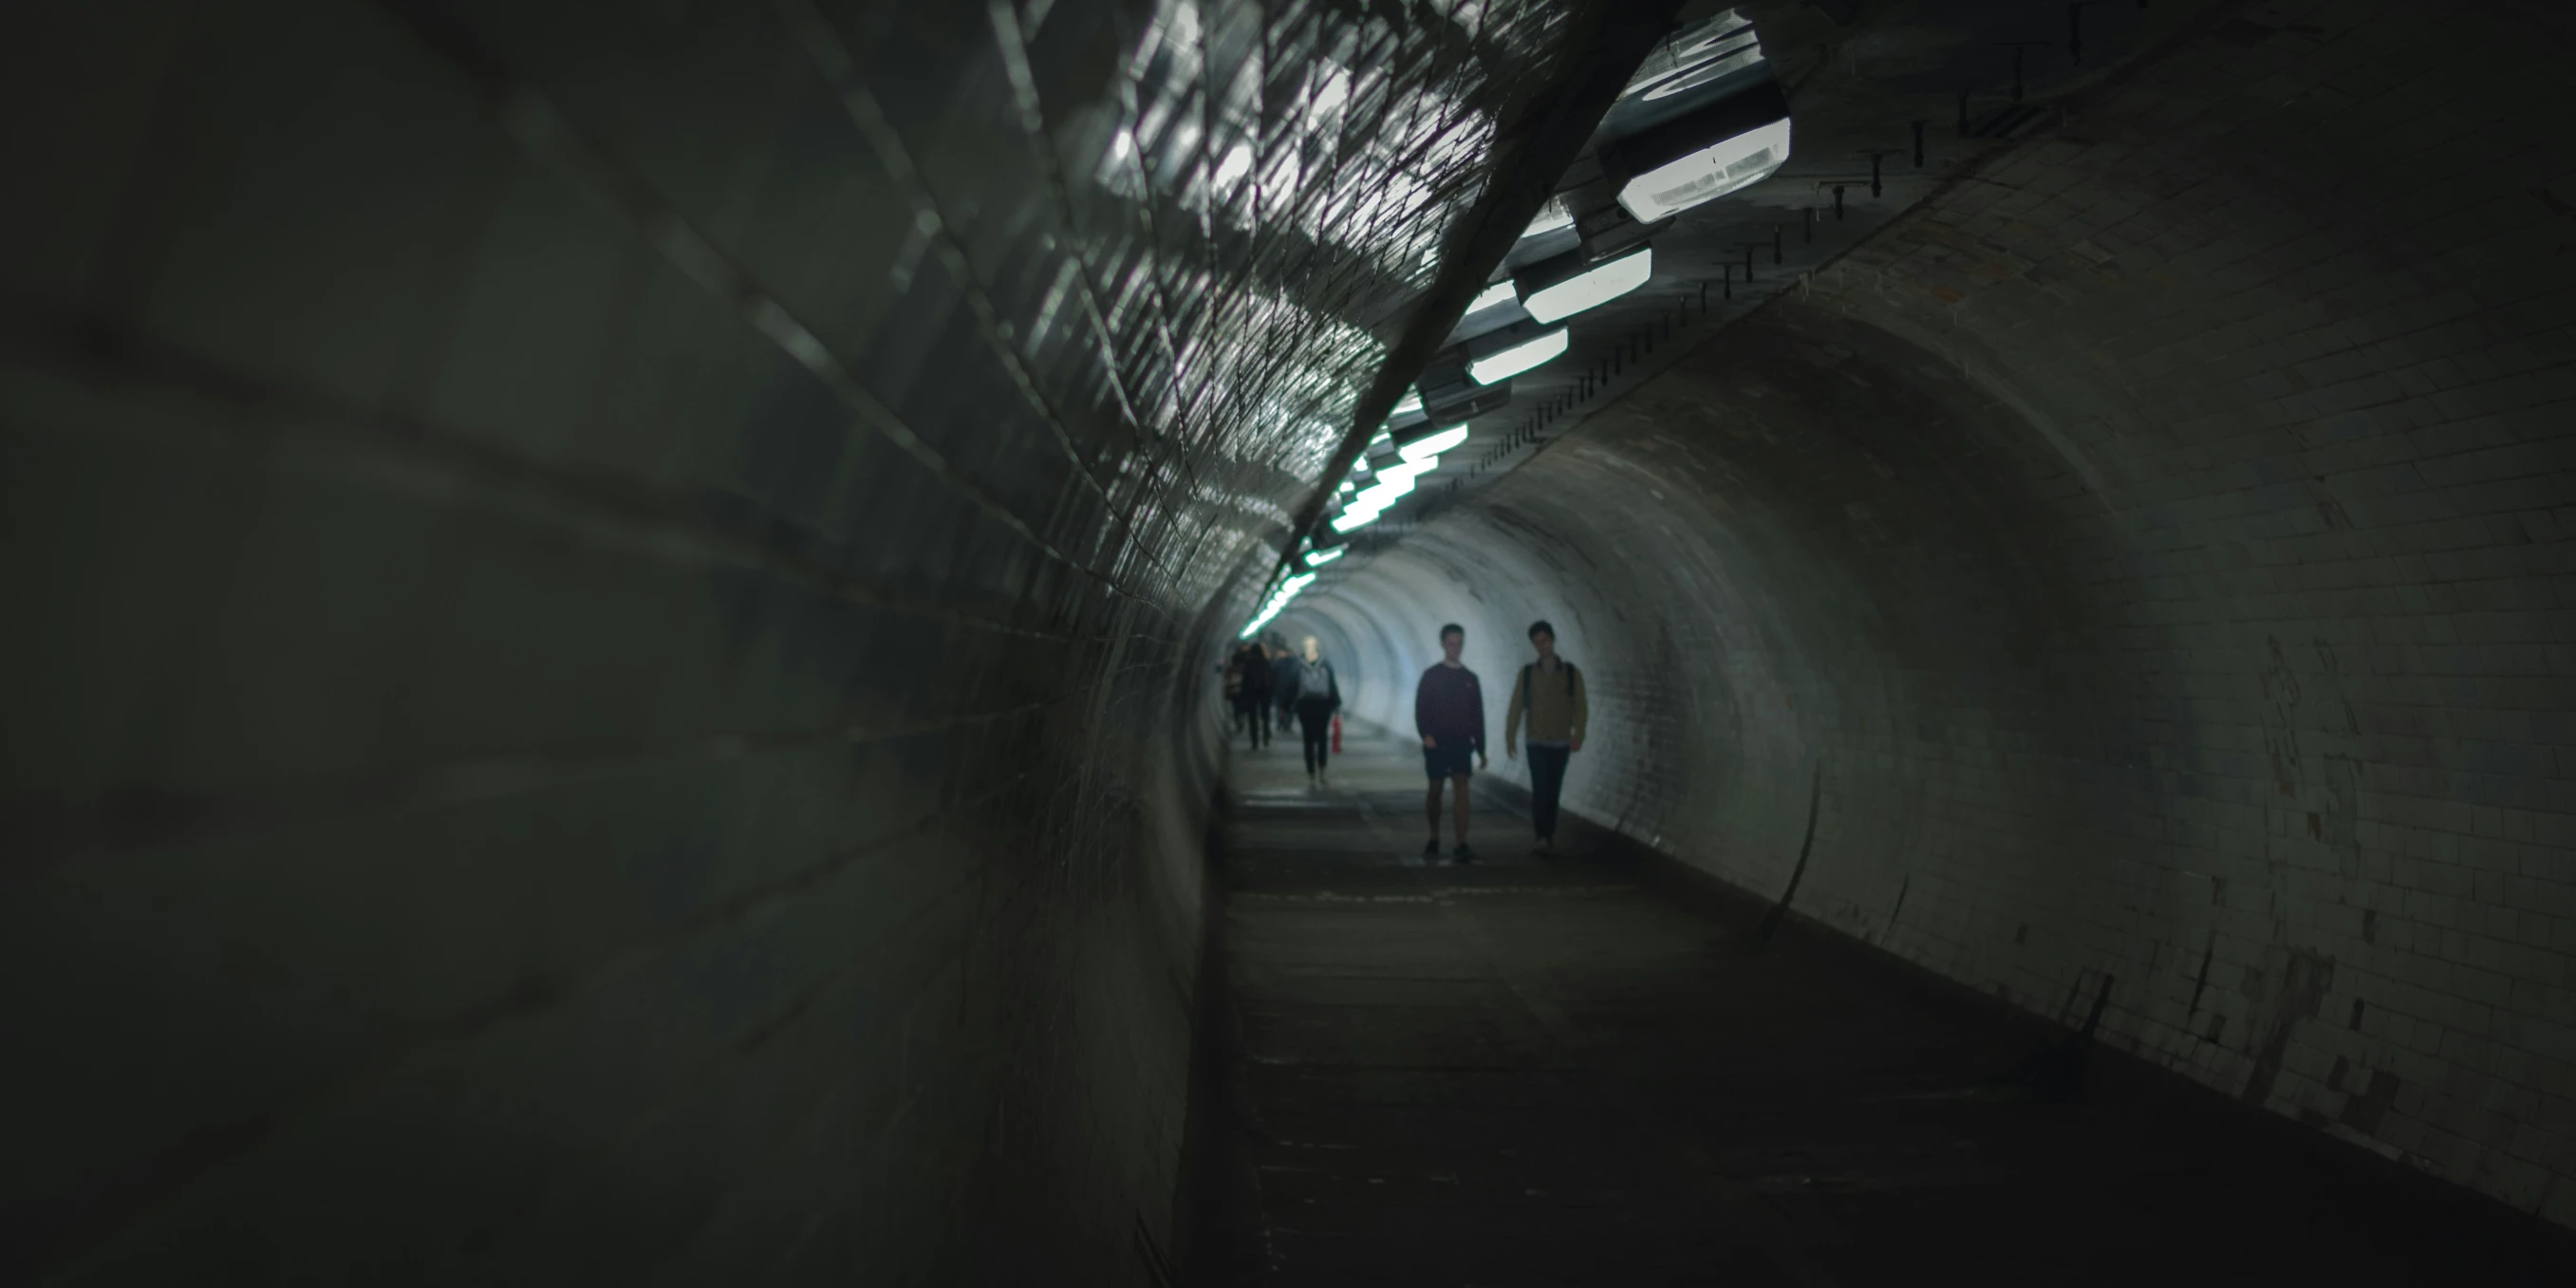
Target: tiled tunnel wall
{"type": "Point", "coordinates": [2156, 559]}
{"type": "Point", "coordinates": [608, 608]}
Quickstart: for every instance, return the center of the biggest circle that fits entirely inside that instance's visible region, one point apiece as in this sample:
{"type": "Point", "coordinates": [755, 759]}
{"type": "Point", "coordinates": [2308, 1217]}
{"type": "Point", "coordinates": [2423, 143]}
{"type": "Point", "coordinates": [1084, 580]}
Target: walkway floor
{"type": "Point", "coordinates": [1528, 1072]}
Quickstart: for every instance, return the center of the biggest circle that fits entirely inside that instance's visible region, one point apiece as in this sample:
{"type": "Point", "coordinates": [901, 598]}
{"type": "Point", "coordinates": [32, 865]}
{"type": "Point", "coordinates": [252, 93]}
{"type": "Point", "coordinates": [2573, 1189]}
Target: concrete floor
{"type": "Point", "coordinates": [1528, 1072]}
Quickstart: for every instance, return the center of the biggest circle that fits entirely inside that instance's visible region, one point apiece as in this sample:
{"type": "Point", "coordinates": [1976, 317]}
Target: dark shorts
{"type": "Point", "coordinates": [1449, 760]}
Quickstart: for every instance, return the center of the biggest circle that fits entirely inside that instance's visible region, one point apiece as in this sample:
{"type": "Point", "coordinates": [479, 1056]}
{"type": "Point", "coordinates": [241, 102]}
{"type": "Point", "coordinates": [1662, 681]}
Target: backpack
{"type": "Point", "coordinates": [1528, 667]}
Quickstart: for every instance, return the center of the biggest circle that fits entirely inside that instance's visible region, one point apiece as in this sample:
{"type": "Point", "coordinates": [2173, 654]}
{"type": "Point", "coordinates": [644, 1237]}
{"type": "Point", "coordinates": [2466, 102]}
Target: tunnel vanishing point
{"type": "Point", "coordinates": [614, 617]}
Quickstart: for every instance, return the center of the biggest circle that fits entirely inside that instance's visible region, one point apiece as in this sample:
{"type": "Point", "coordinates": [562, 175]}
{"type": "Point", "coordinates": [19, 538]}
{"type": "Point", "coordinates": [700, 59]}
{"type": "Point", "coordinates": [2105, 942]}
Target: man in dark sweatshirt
{"type": "Point", "coordinates": [1255, 701]}
{"type": "Point", "coordinates": [1449, 713]}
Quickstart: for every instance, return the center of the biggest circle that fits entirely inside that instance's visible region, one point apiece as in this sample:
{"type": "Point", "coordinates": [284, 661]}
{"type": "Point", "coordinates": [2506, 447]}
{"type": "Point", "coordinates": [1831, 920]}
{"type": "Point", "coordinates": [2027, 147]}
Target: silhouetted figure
{"type": "Point", "coordinates": [1254, 702]}
{"type": "Point", "coordinates": [1317, 695]}
{"type": "Point", "coordinates": [1550, 692]}
{"type": "Point", "coordinates": [1449, 713]}
{"type": "Point", "coordinates": [1283, 679]}
{"type": "Point", "coordinates": [1234, 685]}
{"type": "Point", "coordinates": [1286, 677]}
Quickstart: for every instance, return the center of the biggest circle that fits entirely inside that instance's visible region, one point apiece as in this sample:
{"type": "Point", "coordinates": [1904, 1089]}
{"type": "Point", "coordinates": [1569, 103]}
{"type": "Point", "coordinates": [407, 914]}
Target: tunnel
{"type": "Point", "coordinates": [622, 619]}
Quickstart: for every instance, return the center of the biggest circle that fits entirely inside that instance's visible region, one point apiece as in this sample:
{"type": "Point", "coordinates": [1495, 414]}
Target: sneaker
{"type": "Point", "coordinates": [1543, 849]}
{"type": "Point", "coordinates": [1463, 854]}
{"type": "Point", "coordinates": [1431, 848]}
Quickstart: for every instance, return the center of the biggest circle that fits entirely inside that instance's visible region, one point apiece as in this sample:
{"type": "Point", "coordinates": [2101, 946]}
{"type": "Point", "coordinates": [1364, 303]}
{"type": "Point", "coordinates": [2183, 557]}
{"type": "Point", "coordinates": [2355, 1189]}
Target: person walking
{"type": "Point", "coordinates": [1283, 687]}
{"type": "Point", "coordinates": [1449, 713]}
{"type": "Point", "coordinates": [1287, 677]}
{"type": "Point", "coordinates": [1234, 685]}
{"type": "Point", "coordinates": [1256, 692]}
{"type": "Point", "coordinates": [1550, 692]}
{"type": "Point", "coordinates": [1317, 697]}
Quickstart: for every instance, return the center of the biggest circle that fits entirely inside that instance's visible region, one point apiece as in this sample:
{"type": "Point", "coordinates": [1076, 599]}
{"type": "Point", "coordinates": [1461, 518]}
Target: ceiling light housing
{"type": "Point", "coordinates": [1503, 364]}
{"type": "Point", "coordinates": [1393, 485]}
{"type": "Point", "coordinates": [1465, 400]}
{"type": "Point", "coordinates": [1551, 216]}
{"type": "Point", "coordinates": [1499, 293]}
{"type": "Point", "coordinates": [1430, 446]}
{"type": "Point", "coordinates": [1592, 287]}
{"type": "Point", "coordinates": [1701, 155]}
{"type": "Point", "coordinates": [1498, 306]}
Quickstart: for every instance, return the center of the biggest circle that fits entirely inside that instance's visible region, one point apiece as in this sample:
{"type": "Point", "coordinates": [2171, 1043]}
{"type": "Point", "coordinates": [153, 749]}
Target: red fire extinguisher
{"type": "Point", "coordinates": [1337, 735]}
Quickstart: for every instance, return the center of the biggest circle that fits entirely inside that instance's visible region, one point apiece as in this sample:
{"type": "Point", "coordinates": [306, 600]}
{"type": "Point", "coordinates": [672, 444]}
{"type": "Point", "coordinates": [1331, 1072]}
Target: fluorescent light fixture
{"type": "Point", "coordinates": [1403, 473]}
{"type": "Point", "coordinates": [1381, 496]}
{"type": "Point", "coordinates": [1592, 289]}
{"type": "Point", "coordinates": [1705, 42]}
{"type": "Point", "coordinates": [1351, 519]}
{"type": "Point", "coordinates": [1497, 294]}
{"type": "Point", "coordinates": [1552, 216]}
{"type": "Point", "coordinates": [1278, 600]}
{"type": "Point", "coordinates": [1521, 357]}
{"type": "Point", "coordinates": [1411, 402]}
{"type": "Point", "coordinates": [1318, 558]}
{"type": "Point", "coordinates": [1430, 446]}
{"type": "Point", "coordinates": [1393, 483]}
{"type": "Point", "coordinates": [1718, 48]}
{"type": "Point", "coordinates": [1702, 75]}
{"type": "Point", "coordinates": [1707, 174]}
{"type": "Point", "coordinates": [1347, 486]}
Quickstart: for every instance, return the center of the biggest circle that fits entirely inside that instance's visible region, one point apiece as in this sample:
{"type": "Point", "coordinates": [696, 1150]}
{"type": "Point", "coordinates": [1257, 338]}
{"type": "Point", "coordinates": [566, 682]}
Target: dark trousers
{"type": "Point", "coordinates": [1252, 712]}
{"type": "Point", "coordinates": [1315, 720]}
{"type": "Point", "coordinates": [1547, 780]}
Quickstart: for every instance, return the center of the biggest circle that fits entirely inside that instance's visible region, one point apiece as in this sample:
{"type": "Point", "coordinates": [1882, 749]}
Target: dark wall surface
{"type": "Point", "coordinates": [609, 607]}
{"type": "Point", "coordinates": [2153, 561]}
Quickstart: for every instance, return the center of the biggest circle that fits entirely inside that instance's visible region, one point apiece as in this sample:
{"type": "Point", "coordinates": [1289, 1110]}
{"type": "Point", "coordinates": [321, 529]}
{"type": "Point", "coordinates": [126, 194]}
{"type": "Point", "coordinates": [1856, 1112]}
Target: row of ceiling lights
{"type": "Point", "coordinates": [1701, 119]}
{"type": "Point", "coordinates": [1681, 149]}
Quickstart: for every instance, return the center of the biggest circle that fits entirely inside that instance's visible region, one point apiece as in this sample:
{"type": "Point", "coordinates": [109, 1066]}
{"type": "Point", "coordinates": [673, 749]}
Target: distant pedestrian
{"type": "Point", "coordinates": [1287, 676]}
{"type": "Point", "coordinates": [1283, 688]}
{"type": "Point", "coordinates": [1318, 697]}
{"type": "Point", "coordinates": [1449, 713]}
{"type": "Point", "coordinates": [1255, 700]}
{"type": "Point", "coordinates": [1234, 686]}
{"type": "Point", "coordinates": [1550, 691]}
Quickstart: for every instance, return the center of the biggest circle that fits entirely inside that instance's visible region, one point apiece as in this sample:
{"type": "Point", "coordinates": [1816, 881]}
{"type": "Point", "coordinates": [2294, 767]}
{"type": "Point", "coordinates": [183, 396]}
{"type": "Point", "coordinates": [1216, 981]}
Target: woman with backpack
{"type": "Point", "coordinates": [1319, 696]}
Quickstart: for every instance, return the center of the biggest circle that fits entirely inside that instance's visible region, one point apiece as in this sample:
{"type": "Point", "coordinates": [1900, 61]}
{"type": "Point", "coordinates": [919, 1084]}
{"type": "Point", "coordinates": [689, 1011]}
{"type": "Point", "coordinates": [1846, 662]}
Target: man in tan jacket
{"type": "Point", "coordinates": [1550, 692]}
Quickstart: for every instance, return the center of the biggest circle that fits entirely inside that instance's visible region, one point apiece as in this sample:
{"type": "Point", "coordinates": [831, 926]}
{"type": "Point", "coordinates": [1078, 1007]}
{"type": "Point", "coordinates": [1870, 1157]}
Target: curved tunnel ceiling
{"type": "Point", "coordinates": [1889, 108]}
